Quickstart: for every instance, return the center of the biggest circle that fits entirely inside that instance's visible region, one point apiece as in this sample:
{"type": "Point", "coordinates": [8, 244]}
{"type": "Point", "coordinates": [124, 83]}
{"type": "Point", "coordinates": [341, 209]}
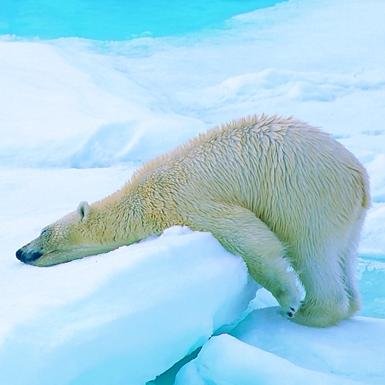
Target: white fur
{"type": "Point", "coordinates": [286, 197]}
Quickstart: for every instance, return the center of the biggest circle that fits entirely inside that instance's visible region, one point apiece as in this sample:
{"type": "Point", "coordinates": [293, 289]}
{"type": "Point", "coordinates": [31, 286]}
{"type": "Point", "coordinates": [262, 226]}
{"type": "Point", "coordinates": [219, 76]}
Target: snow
{"type": "Point", "coordinates": [72, 106]}
{"type": "Point", "coordinates": [225, 360]}
{"type": "Point", "coordinates": [268, 349]}
{"type": "Point", "coordinates": [151, 87]}
{"type": "Point", "coordinates": [352, 349]}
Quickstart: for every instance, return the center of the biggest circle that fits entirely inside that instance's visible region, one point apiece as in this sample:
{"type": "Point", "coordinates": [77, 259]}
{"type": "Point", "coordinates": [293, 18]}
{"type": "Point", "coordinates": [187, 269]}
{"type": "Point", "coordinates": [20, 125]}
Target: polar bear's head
{"type": "Point", "coordinates": [71, 237]}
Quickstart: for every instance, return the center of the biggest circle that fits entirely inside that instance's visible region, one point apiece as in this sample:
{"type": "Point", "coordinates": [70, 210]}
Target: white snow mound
{"type": "Point", "coordinates": [164, 299]}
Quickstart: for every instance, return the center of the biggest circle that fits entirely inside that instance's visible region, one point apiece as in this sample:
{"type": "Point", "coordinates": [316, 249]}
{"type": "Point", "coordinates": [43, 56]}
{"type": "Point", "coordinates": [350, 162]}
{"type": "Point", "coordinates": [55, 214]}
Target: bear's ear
{"type": "Point", "coordinates": [83, 210]}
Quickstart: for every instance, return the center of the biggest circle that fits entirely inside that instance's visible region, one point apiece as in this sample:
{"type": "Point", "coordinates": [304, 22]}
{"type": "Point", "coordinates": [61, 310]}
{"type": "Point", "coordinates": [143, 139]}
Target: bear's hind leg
{"type": "Point", "coordinates": [326, 301]}
{"type": "Point", "coordinates": [242, 233]}
{"type": "Point", "coordinates": [348, 259]}
{"type": "Point", "coordinates": [349, 268]}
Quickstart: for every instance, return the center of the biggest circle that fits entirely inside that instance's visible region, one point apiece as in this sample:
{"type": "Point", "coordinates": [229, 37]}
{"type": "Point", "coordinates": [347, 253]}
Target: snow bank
{"type": "Point", "coordinates": [266, 348]}
{"type": "Point", "coordinates": [75, 109]}
{"type": "Point", "coordinates": [164, 299]}
{"type": "Point", "coordinates": [65, 96]}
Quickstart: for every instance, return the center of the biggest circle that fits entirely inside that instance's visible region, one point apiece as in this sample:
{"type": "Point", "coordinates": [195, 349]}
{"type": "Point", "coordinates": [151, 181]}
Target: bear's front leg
{"type": "Point", "coordinates": [242, 233]}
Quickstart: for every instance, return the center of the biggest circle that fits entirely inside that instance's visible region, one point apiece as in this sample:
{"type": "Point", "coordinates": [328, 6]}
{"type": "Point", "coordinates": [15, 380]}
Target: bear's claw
{"type": "Point", "coordinates": [290, 303]}
{"type": "Point", "coordinates": [291, 312]}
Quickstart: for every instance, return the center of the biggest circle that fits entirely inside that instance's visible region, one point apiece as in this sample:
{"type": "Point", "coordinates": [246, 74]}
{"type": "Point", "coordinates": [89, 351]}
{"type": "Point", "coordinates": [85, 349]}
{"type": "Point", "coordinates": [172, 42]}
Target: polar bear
{"type": "Point", "coordinates": [286, 197]}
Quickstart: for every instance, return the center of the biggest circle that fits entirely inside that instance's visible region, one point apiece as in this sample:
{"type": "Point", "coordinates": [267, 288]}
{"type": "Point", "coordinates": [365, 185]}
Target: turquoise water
{"type": "Point", "coordinates": [372, 287]}
{"type": "Point", "coordinates": [117, 19]}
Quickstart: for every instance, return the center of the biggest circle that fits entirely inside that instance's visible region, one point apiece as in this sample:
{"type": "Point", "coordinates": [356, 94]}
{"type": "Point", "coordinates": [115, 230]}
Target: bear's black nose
{"type": "Point", "coordinates": [19, 255]}
{"type": "Point", "coordinates": [27, 256]}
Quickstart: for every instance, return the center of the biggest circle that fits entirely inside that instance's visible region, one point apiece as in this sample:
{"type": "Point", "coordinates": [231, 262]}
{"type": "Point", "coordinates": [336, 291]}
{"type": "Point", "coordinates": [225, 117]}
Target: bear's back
{"type": "Point", "coordinates": [271, 165]}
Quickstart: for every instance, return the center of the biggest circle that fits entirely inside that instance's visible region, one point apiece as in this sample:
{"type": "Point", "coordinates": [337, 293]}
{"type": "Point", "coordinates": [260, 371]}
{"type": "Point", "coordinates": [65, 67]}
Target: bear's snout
{"type": "Point", "coordinates": [27, 256]}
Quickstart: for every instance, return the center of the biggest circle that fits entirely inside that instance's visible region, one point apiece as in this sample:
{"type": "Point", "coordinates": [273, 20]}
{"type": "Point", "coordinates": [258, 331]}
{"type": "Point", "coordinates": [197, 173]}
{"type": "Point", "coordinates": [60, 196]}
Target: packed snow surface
{"type": "Point", "coordinates": [71, 106]}
{"type": "Point", "coordinates": [266, 348]}
{"type": "Point", "coordinates": [225, 360]}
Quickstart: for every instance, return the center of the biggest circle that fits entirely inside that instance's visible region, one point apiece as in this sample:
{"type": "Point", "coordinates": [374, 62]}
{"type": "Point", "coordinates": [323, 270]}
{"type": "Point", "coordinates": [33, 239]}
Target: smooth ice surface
{"type": "Point", "coordinates": [268, 349]}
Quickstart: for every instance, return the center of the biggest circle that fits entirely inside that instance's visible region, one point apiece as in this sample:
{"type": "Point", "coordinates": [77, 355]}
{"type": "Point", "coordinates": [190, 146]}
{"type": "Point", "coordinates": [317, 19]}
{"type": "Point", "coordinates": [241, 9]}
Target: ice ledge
{"type": "Point", "coordinates": [267, 349]}
{"type": "Point", "coordinates": [143, 318]}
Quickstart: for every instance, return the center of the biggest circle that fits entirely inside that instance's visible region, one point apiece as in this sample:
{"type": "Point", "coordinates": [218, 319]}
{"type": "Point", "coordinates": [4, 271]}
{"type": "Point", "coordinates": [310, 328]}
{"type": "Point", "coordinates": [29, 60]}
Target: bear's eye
{"type": "Point", "coordinates": [44, 232]}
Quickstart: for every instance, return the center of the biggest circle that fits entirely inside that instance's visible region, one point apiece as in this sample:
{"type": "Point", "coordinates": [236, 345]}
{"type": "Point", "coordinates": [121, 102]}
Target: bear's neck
{"type": "Point", "coordinates": [120, 219]}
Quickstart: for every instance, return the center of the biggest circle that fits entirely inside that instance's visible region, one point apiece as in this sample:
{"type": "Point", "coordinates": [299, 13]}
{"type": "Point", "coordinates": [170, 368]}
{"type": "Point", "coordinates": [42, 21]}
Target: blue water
{"type": "Point", "coordinates": [372, 288]}
{"type": "Point", "coordinates": [117, 19]}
